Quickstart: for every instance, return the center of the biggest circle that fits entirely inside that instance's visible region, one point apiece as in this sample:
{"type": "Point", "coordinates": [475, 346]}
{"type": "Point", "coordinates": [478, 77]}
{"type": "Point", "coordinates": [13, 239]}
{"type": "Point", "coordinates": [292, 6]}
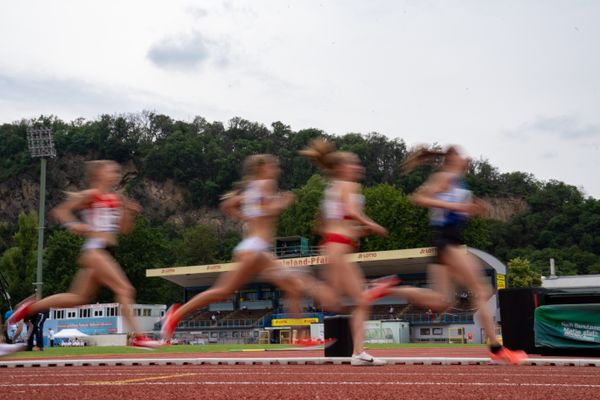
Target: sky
{"type": "Point", "coordinates": [516, 82]}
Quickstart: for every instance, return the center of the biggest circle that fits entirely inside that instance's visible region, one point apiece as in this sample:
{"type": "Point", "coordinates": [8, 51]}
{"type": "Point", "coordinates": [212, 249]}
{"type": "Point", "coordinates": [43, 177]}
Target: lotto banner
{"type": "Point", "coordinates": [294, 321]}
{"type": "Point", "coordinates": [568, 326]}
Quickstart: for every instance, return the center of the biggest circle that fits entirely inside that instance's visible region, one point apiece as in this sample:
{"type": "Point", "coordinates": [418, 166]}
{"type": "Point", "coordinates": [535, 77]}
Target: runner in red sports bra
{"type": "Point", "coordinates": [104, 214]}
{"type": "Point", "coordinates": [343, 222]}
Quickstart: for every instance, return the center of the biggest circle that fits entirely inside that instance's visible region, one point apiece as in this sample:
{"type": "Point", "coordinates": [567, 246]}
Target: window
{"type": "Point", "coordinates": [59, 314]}
{"type": "Point", "coordinates": [98, 313]}
{"type": "Point", "coordinates": [425, 331]}
{"type": "Point", "coordinates": [71, 314]}
{"type": "Point", "coordinates": [111, 312]}
{"type": "Point", "coordinates": [147, 312]}
{"type": "Point", "coordinates": [437, 331]}
{"type": "Point", "coordinates": [84, 313]}
{"type": "Point", "coordinates": [137, 312]}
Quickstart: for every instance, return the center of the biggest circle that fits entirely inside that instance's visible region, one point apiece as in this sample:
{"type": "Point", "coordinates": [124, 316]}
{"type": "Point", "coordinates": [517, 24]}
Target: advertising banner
{"type": "Point", "coordinates": [568, 326]}
{"type": "Point", "coordinates": [294, 321]}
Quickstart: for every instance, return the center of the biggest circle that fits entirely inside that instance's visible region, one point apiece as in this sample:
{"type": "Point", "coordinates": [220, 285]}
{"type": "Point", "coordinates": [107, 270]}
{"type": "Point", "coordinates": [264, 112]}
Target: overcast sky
{"type": "Point", "coordinates": [516, 82]}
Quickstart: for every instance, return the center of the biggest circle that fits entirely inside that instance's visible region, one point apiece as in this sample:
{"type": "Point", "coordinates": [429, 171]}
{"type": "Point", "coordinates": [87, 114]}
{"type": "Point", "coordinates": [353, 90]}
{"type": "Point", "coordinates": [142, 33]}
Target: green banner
{"type": "Point", "coordinates": [568, 326]}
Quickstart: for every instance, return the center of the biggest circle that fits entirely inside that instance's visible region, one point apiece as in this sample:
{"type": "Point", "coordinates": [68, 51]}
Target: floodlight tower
{"type": "Point", "coordinates": [40, 143]}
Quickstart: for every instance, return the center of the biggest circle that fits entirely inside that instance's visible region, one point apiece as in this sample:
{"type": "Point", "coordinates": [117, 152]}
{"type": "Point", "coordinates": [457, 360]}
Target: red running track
{"type": "Point", "coordinates": [328, 382]}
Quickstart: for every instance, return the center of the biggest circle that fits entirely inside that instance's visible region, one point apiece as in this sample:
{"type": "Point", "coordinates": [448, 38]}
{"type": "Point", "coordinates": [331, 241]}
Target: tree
{"type": "Point", "coordinates": [391, 208]}
{"type": "Point", "coordinates": [299, 218]}
{"type": "Point", "coordinates": [520, 274]}
{"type": "Point", "coordinates": [143, 248]}
{"type": "Point", "coordinates": [198, 245]}
{"type": "Point", "coordinates": [60, 261]}
{"type": "Point", "coordinates": [18, 263]}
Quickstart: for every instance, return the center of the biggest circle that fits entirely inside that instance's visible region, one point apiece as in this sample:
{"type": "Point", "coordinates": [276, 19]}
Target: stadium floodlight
{"type": "Point", "coordinates": [40, 143]}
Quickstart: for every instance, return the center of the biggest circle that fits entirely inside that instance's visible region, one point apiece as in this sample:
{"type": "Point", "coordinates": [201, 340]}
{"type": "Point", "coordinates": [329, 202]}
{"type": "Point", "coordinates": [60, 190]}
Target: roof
{"type": "Point", "coordinates": [377, 263]}
{"type": "Point", "coordinates": [571, 281]}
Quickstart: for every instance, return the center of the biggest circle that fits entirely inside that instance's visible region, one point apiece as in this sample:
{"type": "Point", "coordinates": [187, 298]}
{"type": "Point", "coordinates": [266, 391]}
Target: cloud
{"type": "Point", "coordinates": [183, 52]}
{"type": "Point", "coordinates": [197, 12]}
{"type": "Point", "coordinates": [550, 155]}
{"type": "Point", "coordinates": [566, 127]}
{"type": "Point", "coordinates": [44, 92]}
{"type": "Point", "coordinates": [24, 96]}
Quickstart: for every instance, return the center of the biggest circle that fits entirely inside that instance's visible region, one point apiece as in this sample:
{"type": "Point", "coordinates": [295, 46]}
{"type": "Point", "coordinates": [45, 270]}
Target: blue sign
{"type": "Point", "coordinates": [89, 326]}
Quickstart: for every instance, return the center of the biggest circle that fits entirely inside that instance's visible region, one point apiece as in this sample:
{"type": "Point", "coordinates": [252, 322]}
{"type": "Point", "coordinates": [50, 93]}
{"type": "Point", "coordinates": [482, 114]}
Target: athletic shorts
{"type": "Point", "coordinates": [253, 244]}
{"type": "Point", "coordinates": [448, 235]}
{"type": "Point", "coordinates": [93, 244]}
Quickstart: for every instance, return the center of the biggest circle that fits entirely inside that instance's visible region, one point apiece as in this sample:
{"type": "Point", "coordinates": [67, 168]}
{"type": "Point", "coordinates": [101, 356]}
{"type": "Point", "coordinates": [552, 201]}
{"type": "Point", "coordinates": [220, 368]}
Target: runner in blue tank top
{"type": "Point", "coordinates": [451, 204]}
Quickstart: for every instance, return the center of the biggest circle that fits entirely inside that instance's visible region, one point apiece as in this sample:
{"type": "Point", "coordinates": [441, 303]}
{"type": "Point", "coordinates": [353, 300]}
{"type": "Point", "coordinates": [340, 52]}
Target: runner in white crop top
{"type": "Point", "coordinates": [332, 207]}
{"type": "Point", "coordinates": [258, 206]}
{"type": "Point", "coordinates": [254, 200]}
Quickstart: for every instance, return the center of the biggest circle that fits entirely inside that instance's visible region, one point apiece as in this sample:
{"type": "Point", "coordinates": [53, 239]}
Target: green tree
{"type": "Point", "coordinates": [198, 245]}
{"type": "Point", "coordinates": [520, 274]}
{"type": "Point", "coordinates": [299, 218]}
{"type": "Point", "coordinates": [18, 263]}
{"type": "Point", "coordinates": [391, 208]}
{"type": "Point", "coordinates": [60, 261]}
{"type": "Point", "coordinates": [143, 248]}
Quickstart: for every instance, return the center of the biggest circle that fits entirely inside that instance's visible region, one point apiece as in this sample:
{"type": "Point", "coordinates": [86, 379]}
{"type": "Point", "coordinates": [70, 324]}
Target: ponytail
{"type": "Point", "coordinates": [423, 155]}
{"type": "Point", "coordinates": [325, 156]}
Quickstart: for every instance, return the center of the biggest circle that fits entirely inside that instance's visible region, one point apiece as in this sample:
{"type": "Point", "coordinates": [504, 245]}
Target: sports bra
{"type": "Point", "coordinates": [458, 192]}
{"type": "Point", "coordinates": [103, 213]}
{"type": "Point", "coordinates": [253, 200]}
{"type": "Point", "coordinates": [332, 207]}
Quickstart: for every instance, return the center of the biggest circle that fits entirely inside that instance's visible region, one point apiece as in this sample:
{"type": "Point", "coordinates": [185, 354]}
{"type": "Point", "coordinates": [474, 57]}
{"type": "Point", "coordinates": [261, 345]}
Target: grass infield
{"type": "Point", "coordinates": [50, 352]}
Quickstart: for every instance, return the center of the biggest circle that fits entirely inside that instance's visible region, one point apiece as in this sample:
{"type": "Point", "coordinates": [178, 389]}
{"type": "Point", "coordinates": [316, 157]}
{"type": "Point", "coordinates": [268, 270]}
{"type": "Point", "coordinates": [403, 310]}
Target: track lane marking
{"type": "Point", "coordinates": [301, 383]}
{"type": "Point", "coordinates": [137, 380]}
{"type": "Point", "coordinates": [250, 372]}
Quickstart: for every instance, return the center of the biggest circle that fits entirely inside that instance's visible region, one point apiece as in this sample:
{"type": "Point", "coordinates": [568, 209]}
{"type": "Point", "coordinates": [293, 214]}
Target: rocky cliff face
{"type": "Point", "coordinates": [163, 201]}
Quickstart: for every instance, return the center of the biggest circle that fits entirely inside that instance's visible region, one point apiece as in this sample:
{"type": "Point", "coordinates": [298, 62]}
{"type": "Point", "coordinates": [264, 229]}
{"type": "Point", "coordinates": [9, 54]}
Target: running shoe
{"type": "Point", "coordinates": [144, 342]}
{"type": "Point", "coordinates": [169, 323]}
{"type": "Point", "coordinates": [363, 359]}
{"type": "Point", "coordinates": [506, 356]}
{"type": "Point", "coordinates": [6, 349]}
{"type": "Point", "coordinates": [381, 288]}
{"type": "Point", "coordinates": [22, 310]}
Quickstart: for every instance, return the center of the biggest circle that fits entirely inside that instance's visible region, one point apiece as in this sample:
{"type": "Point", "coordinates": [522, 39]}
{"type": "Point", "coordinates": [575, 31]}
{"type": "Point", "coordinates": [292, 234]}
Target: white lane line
{"type": "Point", "coordinates": [304, 383]}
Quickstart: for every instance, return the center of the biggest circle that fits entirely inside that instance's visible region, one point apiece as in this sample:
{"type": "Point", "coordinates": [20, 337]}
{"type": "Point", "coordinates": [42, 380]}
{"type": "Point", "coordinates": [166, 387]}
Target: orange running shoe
{"type": "Point", "coordinates": [381, 288]}
{"type": "Point", "coordinates": [507, 356]}
{"type": "Point", "coordinates": [169, 323]}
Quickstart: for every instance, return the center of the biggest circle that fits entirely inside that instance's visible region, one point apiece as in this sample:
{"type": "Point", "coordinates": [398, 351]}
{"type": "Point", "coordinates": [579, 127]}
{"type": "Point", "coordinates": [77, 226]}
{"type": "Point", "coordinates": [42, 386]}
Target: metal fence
{"type": "Point", "coordinates": [425, 318]}
{"type": "Point", "coordinates": [226, 323]}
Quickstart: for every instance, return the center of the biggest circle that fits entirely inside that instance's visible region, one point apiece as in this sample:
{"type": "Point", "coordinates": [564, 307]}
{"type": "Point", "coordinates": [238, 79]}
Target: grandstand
{"type": "Point", "coordinates": [257, 308]}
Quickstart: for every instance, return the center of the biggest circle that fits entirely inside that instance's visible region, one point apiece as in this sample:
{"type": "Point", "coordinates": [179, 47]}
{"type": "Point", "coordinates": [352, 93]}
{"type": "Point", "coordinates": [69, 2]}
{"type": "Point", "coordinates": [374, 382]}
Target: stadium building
{"type": "Point", "coordinates": [103, 322]}
{"type": "Point", "coordinates": [255, 314]}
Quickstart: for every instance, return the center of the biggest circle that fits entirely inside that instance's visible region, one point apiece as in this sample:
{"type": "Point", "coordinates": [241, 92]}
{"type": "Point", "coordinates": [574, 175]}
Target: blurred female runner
{"type": "Point", "coordinates": [104, 214]}
{"type": "Point", "coordinates": [258, 204]}
{"type": "Point", "coordinates": [343, 222]}
{"type": "Point", "coordinates": [451, 204]}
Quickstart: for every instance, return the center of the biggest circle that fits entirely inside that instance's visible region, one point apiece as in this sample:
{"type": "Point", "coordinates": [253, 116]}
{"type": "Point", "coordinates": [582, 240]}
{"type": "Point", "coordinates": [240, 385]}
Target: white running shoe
{"type": "Point", "coordinates": [6, 349]}
{"type": "Point", "coordinates": [366, 359]}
